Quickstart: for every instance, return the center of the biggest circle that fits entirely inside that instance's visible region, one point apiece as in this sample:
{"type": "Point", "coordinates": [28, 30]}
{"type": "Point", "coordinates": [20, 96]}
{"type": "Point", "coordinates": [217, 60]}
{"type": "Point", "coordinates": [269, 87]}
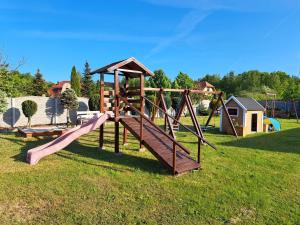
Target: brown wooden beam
{"type": "Point", "coordinates": [130, 71]}
{"type": "Point", "coordinates": [101, 108]}
{"type": "Point", "coordinates": [181, 108]}
{"type": "Point", "coordinates": [214, 109]}
{"type": "Point", "coordinates": [228, 117]}
{"type": "Point", "coordinates": [181, 90]}
{"type": "Point", "coordinates": [117, 92]}
{"type": "Point", "coordinates": [125, 131]}
{"type": "Point", "coordinates": [142, 106]}
{"type": "Point", "coordinates": [167, 118]}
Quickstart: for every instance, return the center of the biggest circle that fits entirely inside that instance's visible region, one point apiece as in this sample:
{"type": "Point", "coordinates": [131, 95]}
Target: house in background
{"type": "Point", "coordinates": [247, 116]}
{"type": "Point", "coordinates": [204, 86]}
{"type": "Point", "coordinates": [58, 88]}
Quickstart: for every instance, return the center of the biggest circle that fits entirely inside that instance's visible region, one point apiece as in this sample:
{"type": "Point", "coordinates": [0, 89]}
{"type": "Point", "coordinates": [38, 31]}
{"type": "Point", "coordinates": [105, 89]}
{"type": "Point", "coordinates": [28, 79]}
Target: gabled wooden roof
{"type": "Point", "coordinates": [127, 67]}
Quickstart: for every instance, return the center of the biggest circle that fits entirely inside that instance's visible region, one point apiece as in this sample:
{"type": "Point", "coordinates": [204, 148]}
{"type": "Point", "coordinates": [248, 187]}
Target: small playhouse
{"type": "Point", "coordinates": [247, 116]}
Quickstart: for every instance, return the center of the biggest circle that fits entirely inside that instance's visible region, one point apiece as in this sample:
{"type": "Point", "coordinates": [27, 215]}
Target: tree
{"type": "Point", "coordinates": [88, 86]}
{"type": "Point", "coordinates": [39, 85]}
{"type": "Point", "coordinates": [159, 80]}
{"type": "Point", "coordinates": [229, 84]}
{"type": "Point", "coordinates": [94, 103]}
{"type": "Point", "coordinates": [175, 97]}
{"type": "Point", "coordinates": [3, 102]}
{"type": "Point", "coordinates": [69, 101]}
{"type": "Point", "coordinates": [184, 81]}
{"type": "Point", "coordinates": [213, 79]}
{"type": "Point", "coordinates": [29, 108]}
{"type": "Point", "coordinates": [75, 81]}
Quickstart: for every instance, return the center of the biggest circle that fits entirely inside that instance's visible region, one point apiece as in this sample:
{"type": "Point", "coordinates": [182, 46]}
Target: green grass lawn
{"type": "Point", "coordinates": [253, 180]}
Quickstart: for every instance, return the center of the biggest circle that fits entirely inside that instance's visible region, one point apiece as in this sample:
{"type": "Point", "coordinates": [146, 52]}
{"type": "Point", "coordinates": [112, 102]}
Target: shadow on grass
{"type": "Point", "coordinates": [92, 152]}
{"type": "Point", "coordinates": [283, 141]}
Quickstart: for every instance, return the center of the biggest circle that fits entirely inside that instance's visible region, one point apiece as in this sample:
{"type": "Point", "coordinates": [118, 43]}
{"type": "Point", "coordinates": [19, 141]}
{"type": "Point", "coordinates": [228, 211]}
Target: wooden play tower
{"type": "Point", "coordinates": [127, 105]}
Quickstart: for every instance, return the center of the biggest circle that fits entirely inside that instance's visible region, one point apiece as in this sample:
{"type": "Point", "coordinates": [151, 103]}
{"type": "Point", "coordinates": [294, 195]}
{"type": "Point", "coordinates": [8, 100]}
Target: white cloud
{"type": "Point", "coordinates": [186, 26]}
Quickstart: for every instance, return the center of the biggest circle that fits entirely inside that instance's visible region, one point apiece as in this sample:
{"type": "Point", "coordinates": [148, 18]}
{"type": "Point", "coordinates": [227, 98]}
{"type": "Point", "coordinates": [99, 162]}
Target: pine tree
{"type": "Point", "coordinates": [39, 85]}
{"type": "Point", "coordinates": [75, 81]}
{"type": "Point", "coordinates": [88, 86]}
{"type": "Point", "coordinates": [69, 101]}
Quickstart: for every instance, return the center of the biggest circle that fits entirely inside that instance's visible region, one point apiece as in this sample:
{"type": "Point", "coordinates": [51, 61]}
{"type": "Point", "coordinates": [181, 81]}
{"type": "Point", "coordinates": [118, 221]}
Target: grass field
{"type": "Point", "coordinates": [253, 180]}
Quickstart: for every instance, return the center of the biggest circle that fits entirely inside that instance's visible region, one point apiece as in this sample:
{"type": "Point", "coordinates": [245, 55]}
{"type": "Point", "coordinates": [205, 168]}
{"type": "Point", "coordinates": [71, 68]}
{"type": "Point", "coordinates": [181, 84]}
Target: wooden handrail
{"type": "Point", "coordinates": [211, 145]}
{"type": "Point", "coordinates": [160, 130]}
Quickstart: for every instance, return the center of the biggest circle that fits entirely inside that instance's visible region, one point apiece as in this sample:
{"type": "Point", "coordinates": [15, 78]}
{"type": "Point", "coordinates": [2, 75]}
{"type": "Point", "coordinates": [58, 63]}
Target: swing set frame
{"type": "Point", "coordinates": [187, 102]}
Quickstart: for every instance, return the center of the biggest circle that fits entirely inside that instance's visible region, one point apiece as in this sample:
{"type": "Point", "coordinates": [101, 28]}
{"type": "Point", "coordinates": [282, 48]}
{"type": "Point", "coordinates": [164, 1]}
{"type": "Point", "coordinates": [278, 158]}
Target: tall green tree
{"type": "Point", "coordinates": [88, 85]}
{"type": "Point", "coordinates": [184, 81]}
{"type": "Point", "coordinates": [39, 85]}
{"type": "Point", "coordinates": [159, 80]}
{"type": "Point", "coordinates": [75, 81]}
{"type": "Point", "coordinates": [214, 79]}
{"type": "Point", "coordinates": [69, 101]}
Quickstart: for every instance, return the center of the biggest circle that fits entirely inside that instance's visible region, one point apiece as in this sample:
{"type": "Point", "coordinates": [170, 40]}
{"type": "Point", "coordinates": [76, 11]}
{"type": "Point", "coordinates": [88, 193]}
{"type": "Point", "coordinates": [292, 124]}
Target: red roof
{"type": "Point", "coordinates": [56, 88]}
{"type": "Point", "coordinates": [203, 84]}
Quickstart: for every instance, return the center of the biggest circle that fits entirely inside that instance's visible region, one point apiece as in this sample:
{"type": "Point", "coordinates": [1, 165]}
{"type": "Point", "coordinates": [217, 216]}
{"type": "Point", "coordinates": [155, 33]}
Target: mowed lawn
{"type": "Point", "coordinates": [253, 180]}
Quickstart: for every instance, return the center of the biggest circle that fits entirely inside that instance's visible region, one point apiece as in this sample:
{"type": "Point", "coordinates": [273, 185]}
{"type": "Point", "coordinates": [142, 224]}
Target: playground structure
{"type": "Point", "coordinates": [270, 105]}
{"type": "Point", "coordinates": [115, 106]}
{"type": "Point", "coordinates": [171, 122]}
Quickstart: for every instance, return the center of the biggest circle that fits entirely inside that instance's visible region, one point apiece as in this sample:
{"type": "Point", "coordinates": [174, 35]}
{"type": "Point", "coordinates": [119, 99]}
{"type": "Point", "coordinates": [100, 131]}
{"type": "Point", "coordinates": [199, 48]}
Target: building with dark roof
{"type": "Point", "coordinates": [246, 113]}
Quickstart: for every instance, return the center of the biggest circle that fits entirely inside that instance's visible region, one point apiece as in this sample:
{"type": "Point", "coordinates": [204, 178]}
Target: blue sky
{"type": "Point", "coordinates": [192, 36]}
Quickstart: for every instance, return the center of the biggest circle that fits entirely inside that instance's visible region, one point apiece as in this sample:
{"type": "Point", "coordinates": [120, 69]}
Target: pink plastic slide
{"type": "Point", "coordinates": [35, 154]}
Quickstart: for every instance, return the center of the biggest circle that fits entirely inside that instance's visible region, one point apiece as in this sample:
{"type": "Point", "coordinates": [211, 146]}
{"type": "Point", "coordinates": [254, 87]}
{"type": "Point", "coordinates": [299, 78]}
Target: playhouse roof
{"type": "Point", "coordinates": [128, 67]}
{"type": "Point", "coordinates": [249, 104]}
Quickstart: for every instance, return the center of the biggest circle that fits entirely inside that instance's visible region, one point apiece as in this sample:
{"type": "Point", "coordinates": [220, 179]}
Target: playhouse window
{"type": "Point", "coordinates": [233, 111]}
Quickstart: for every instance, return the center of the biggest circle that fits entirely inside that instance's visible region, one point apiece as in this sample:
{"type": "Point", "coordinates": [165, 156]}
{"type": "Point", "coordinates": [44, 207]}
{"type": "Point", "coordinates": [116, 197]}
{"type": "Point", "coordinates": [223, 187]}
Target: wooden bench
{"type": "Point", "coordinates": [84, 116]}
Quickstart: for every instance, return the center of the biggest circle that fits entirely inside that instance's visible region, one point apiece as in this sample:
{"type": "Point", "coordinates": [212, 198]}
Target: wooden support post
{"type": "Point", "coordinates": [101, 108]}
{"type": "Point", "coordinates": [142, 108]}
{"type": "Point", "coordinates": [193, 117]}
{"type": "Point", "coordinates": [214, 109]}
{"type": "Point", "coordinates": [181, 107]}
{"type": "Point", "coordinates": [116, 110]}
{"type": "Point", "coordinates": [117, 149]}
{"type": "Point", "coordinates": [154, 111]}
{"type": "Point", "coordinates": [229, 118]}
{"type": "Point", "coordinates": [167, 118]}
{"type": "Point", "coordinates": [125, 131]}
{"type": "Point", "coordinates": [174, 158]}
{"type": "Point", "coordinates": [199, 151]}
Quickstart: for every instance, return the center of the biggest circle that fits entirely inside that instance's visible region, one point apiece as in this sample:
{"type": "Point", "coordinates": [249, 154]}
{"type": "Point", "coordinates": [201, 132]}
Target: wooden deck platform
{"type": "Point", "coordinates": [160, 145]}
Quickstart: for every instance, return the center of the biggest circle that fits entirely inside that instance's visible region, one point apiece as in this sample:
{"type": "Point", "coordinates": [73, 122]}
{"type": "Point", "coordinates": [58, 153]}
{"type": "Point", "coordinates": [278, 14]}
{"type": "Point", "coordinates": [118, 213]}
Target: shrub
{"type": "Point", "coordinates": [29, 108]}
{"type": "Point", "coordinates": [94, 103]}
